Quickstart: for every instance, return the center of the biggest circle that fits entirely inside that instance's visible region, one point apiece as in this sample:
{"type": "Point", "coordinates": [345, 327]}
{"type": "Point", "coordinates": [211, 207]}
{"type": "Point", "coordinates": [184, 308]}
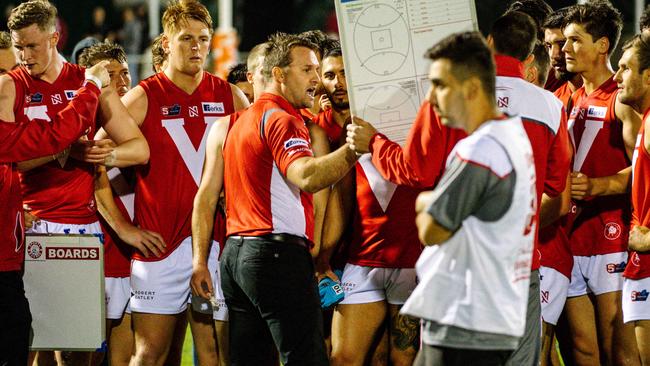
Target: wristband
{"type": "Point", "coordinates": [95, 80]}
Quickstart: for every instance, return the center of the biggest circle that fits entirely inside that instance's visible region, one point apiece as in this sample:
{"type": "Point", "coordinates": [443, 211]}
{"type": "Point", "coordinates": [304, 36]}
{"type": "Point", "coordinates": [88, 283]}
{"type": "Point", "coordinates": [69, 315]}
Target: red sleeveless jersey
{"type": "Point", "coordinates": [176, 127]}
{"type": "Point", "coordinates": [564, 93]}
{"type": "Point", "coordinates": [383, 232]}
{"type": "Point", "coordinates": [117, 254]}
{"type": "Point", "coordinates": [638, 266]}
{"type": "Point", "coordinates": [24, 140]}
{"type": "Point", "coordinates": [55, 193]}
{"type": "Point", "coordinates": [601, 226]}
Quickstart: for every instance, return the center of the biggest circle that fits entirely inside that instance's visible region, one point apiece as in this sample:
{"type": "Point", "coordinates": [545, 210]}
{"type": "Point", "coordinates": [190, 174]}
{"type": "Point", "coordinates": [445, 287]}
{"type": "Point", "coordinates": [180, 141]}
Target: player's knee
{"type": "Point", "coordinates": [403, 358]}
{"type": "Point", "coordinates": [149, 355]}
{"type": "Point", "coordinates": [346, 357]}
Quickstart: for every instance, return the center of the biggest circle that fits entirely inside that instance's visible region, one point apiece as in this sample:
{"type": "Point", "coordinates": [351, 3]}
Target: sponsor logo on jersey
{"type": "Point", "coordinates": [640, 295]}
{"type": "Point", "coordinates": [615, 267]}
{"type": "Point", "coordinates": [213, 108]}
{"type": "Point", "coordinates": [56, 99]}
{"type": "Point", "coordinates": [34, 98]}
{"type": "Point", "coordinates": [545, 297]}
{"type": "Point", "coordinates": [612, 231]}
{"type": "Point", "coordinates": [34, 250]}
{"type": "Point", "coordinates": [72, 253]}
{"type": "Point", "coordinates": [193, 111]}
{"type": "Point", "coordinates": [295, 142]}
{"type": "Point", "coordinates": [173, 110]}
{"type": "Point", "coordinates": [502, 102]}
{"type": "Point", "coordinates": [597, 112]}
{"type": "Point", "coordinates": [70, 94]}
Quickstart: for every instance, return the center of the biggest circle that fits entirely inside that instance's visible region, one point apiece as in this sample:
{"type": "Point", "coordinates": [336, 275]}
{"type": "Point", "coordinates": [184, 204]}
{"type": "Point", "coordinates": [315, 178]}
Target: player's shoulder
{"type": "Point", "coordinates": [484, 150]}
{"type": "Point", "coordinates": [541, 106]}
{"type": "Point", "coordinates": [215, 82]}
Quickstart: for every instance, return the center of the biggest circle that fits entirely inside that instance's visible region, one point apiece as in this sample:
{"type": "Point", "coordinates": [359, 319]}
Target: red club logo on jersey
{"type": "Point", "coordinates": [636, 261]}
{"type": "Point", "coordinates": [612, 231]}
{"type": "Point", "coordinates": [35, 250]}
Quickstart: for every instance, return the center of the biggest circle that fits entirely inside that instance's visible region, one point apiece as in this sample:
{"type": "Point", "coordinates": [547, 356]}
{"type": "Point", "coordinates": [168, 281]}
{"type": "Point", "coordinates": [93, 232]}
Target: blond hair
{"type": "Point", "coordinates": [179, 13]}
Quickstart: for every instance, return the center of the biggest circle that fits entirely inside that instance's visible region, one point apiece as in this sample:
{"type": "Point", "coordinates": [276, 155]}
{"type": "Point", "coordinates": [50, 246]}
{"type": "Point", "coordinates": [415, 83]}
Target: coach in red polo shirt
{"type": "Point", "coordinates": [268, 274]}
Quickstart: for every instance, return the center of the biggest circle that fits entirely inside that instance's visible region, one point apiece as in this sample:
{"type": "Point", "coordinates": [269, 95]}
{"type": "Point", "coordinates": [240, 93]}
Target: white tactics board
{"type": "Point", "coordinates": [64, 284]}
{"type": "Point", "coordinates": [383, 44]}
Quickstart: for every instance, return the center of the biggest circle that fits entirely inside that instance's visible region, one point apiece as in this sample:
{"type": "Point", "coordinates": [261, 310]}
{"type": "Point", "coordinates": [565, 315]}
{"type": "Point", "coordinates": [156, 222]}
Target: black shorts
{"type": "Point", "coordinates": [15, 320]}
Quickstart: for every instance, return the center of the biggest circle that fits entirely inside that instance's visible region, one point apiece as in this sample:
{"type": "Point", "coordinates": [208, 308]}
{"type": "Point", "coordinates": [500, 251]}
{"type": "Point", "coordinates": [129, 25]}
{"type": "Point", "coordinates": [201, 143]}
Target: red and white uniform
{"type": "Point", "coordinates": [176, 127]}
{"type": "Point", "coordinates": [269, 135]}
{"type": "Point", "coordinates": [546, 126]}
{"type": "Point", "coordinates": [639, 266]}
{"type": "Point", "coordinates": [384, 233]}
{"type": "Point", "coordinates": [412, 165]}
{"type": "Point", "coordinates": [602, 224]}
{"type": "Point", "coordinates": [117, 254]}
{"type": "Point", "coordinates": [637, 272]}
{"type": "Point", "coordinates": [54, 193]}
{"type": "Point", "coordinates": [383, 245]}
{"type": "Point", "coordinates": [25, 140]}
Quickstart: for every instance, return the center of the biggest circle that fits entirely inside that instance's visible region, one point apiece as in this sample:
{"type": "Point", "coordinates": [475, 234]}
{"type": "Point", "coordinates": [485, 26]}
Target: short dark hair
{"type": "Point", "coordinates": [600, 19]}
{"type": "Point", "coordinates": [39, 12]}
{"type": "Point", "coordinates": [470, 56]}
{"type": "Point", "coordinates": [238, 73]}
{"type": "Point", "coordinates": [329, 44]}
{"type": "Point", "coordinates": [333, 52]}
{"type": "Point", "coordinates": [539, 10]}
{"type": "Point", "coordinates": [514, 34]}
{"type": "Point", "coordinates": [279, 51]}
{"type": "Point", "coordinates": [557, 19]}
{"type": "Point", "coordinates": [5, 40]}
{"type": "Point", "coordinates": [644, 22]}
{"type": "Point", "coordinates": [641, 44]}
{"type": "Point", "coordinates": [317, 37]}
{"type": "Point", "coordinates": [543, 63]}
{"type": "Point", "coordinates": [102, 51]}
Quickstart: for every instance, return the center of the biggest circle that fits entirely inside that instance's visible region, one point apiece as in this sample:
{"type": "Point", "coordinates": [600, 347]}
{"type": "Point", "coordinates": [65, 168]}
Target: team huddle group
{"type": "Point", "coordinates": [286, 231]}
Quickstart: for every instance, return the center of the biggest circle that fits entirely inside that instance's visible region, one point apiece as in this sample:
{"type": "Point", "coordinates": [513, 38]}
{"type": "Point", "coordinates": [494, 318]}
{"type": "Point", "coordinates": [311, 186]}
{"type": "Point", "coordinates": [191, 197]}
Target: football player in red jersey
{"type": "Point", "coordinates": [601, 126]}
{"type": "Point", "coordinates": [8, 58]}
{"type": "Point", "coordinates": [60, 191]}
{"type": "Point", "coordinates": [554, 41]}
{"type": "Point", "coordinates": [21, 141]}
{"type": "Point", "coordinates": [633, 78]}
{"type": "Point", "coordinates": [174, 109]}
{"type": "Point", "coordinates": [116, 220]}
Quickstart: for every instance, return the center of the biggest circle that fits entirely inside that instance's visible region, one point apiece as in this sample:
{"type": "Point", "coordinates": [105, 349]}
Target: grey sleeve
{"type": "Point", "coordinates": [468, 189]}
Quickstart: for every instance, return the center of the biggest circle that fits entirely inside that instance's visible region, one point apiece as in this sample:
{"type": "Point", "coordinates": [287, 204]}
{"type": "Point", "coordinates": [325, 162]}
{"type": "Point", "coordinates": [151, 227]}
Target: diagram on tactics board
{"type": "Point", "coordinates": [379, 34]}
{"type": "Point", "coordinates": [383, 43]}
